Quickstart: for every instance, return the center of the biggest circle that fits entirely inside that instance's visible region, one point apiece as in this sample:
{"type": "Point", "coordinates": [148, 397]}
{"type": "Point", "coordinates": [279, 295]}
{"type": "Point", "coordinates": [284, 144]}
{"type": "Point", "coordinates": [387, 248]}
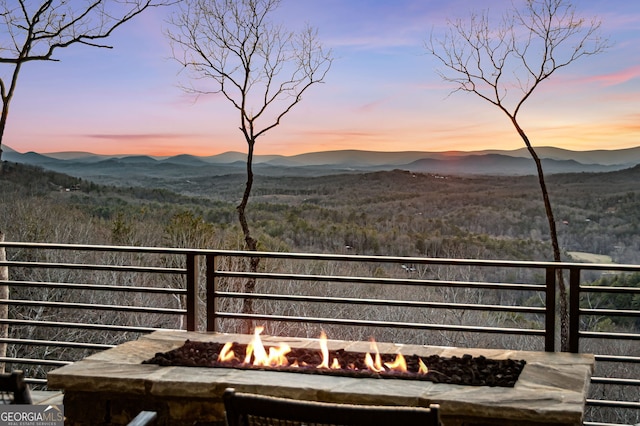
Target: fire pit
{"type": "Point", "coordinates": [111, 387]}
{"type": "Point", "coordinates": [465, 370]}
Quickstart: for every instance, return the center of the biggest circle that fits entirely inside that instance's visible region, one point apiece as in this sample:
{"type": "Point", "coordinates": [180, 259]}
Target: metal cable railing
{"type": "Point", "coordinates": [64, 302]}
{"type": "Point", "coordinates": [67, 301]}
{"type": "Point", "coordinates": [540, 317]}
{"type": "Point", "coordinates": [615, 392]}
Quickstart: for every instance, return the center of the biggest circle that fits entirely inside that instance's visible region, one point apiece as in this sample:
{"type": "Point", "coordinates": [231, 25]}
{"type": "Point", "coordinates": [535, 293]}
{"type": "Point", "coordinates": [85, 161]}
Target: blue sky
{"type": "Point", "coordinates": [382, 93]}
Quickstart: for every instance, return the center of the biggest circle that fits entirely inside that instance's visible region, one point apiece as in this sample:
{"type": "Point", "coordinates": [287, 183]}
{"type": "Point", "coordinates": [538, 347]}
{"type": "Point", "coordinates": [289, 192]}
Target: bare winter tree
{"type": "Point", "coordinates": [33, 30]}
{"type": "Point", "coordinates": [504, 62]}
{"type": "Point", "coordinates": [258, 66]}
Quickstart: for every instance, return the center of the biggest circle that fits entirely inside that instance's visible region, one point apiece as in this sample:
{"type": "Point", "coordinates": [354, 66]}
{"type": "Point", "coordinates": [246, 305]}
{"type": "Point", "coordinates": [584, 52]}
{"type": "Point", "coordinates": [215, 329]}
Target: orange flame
{"type": "Point", "coordinates": [278, 356]}
{"type": "Point", "coordinates": [226, 354]}
{"type": "Point", "coordinates": [324, 350]}
{"type": "Point", "coordinates": [335, 365]}
{"type": "Point", "coordinates": [248, 353]}
{"type": "Point", "coordinates": [422, 369]}
{"type": "Point", "coordinates": [370, 363]}
{"type": "Point", "coordinates": [399, 364]}
{"type": "Point", "coordinates": [256, 354]}
{"type": "Point", "coordinates": [255, 345]}
{"type": "Point", "coordinates": [275, 357]}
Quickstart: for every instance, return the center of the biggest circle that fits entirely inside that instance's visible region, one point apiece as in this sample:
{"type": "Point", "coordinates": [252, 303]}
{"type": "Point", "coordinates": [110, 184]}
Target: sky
{"type": "Point", "coordinates": [383, 91]}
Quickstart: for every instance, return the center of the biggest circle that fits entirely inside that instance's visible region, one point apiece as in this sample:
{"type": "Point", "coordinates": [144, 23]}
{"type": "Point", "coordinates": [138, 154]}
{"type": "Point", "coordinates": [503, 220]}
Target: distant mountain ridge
{"type": "Point", "coordinates": [487, 162]}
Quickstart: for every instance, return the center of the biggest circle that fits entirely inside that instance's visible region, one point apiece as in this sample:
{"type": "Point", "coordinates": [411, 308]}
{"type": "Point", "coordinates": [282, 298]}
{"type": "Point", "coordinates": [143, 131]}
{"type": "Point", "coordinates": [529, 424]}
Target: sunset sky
{"type": "Point", "coordinates": [382, 93]}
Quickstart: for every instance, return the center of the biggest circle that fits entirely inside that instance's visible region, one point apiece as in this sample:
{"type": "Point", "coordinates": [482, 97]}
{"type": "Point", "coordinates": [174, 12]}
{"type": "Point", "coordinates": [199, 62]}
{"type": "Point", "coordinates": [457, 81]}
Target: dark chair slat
{"type": "Point", "coordinates": [13, 388]}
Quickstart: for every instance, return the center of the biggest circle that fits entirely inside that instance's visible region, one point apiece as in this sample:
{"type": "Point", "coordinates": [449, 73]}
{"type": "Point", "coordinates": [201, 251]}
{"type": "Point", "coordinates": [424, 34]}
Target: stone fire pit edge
{"type": "Point", "coordinates": [551, 389]}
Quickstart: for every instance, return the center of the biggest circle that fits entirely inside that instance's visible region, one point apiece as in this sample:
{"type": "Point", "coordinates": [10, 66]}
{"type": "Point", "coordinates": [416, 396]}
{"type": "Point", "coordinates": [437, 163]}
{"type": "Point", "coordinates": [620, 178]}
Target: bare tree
{"type": "Point", "coordinates": [35, 30]}
{"type": "Point", "coordinates": [504, 62]}
{"type": "Point", "coordinates": [258, 66]}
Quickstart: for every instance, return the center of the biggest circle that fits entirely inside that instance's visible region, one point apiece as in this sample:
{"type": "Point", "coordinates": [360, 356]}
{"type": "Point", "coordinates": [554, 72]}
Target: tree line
{"type": "Point", "coordinates": [394, 213]}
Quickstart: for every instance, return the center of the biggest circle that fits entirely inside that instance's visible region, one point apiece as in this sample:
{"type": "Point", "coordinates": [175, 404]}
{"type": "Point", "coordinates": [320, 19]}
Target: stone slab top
{"type": "Point", "coordinates": [551, 388]}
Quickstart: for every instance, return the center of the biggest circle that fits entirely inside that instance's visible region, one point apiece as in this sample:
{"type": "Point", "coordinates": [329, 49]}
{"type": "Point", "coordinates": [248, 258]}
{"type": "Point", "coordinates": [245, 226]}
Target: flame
{"type": "Point", "coordinates": [278, 355]}
{"type": "Point", "coordinates": [256, 354]}
{"type": "Point", "coordinates": [399, 364]}
{"type": "Point", "coordinates": [422, 369]}
{"type": "Point", "coordinates": [324, 350]}
{"type": "Point", "coordinates": [275, 357]}
{"type": "Point", "coordinates": [370, 363]}
{"type": "Point", "coordinates": [226, 354]}
{"type": "Point", "coordinates": [248, 353]}
{"type": "Point", "coordinates": [255, 345]}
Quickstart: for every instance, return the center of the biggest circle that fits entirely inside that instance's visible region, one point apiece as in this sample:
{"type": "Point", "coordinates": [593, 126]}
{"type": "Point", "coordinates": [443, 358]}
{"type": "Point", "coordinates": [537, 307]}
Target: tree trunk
{"type": "Point", "coordinates": [3, 124]}
{"type": "Point", "coordinates": [4, 309]}
{"type": "Point", "coordinates": [562, 289]}
{"type": "Point", "coordinates": [251, 243]}
{"type": "Point", "coordinates": [6, 100]}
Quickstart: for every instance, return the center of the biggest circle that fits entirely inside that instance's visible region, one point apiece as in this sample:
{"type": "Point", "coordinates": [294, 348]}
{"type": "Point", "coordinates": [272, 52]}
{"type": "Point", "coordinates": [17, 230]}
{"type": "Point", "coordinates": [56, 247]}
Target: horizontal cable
{"type": "Point", "coordinates": [380, 302]}
{"type": "Point", "coordinates": [387, 324]}
{"type": "Point", "coordinates": [33, 361]}
{"type": "Point", "coordinates": [101, 248]}
{"type": "Point", "coordinates": [617, 358]}
{"type": "Point", "coordinates": [330, 257]}
{"type": "Point", "coordinates": [604, 289]}
{"type": "Point", "coordinates": [98, 287]}
{"type": "Point", "coordinates": [615, 381]}
{"type": "Point", "coordinates": [611, 312]}
{"type": "Point", "coordinates": [603, 424]}
{"type": "Point", "coordinates": [84, 266]}
{"type": "Point", "coordinates": [57, 343]}
{"type": "Point", "coordinates": [99, 307]}
{"type": "Point", "coordinates": [85, 326]}
{"type": "Point", "coordinates": [382, 281]}
{"type": "Point", "coordinates": [608, 335]}
{"type": "Point", "coordinates": [429, 261]}
{"type": "Point", "coordinates": [612, 404]}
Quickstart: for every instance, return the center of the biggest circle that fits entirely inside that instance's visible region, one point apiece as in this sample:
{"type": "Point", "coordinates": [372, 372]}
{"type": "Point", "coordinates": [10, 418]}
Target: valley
{"type": "Point", "coordinates": [397, 212]}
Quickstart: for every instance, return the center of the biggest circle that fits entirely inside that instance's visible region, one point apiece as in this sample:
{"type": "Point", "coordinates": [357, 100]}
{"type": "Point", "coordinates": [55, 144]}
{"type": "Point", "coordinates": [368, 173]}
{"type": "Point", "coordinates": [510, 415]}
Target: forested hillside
{"type": "Point", "coordinates": [386, 213]}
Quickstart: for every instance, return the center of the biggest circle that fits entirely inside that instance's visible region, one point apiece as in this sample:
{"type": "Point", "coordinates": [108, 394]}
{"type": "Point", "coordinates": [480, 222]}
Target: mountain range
{"type": "Point", "coordinates": [488, 162]}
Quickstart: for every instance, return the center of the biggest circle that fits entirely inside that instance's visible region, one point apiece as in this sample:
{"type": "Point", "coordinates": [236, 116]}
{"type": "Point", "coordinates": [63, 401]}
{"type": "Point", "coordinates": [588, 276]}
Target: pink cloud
{"type": "Point", "coordinates": [618, 77]}
{"type": "Point", "coordinates": [339, 134]}
{"type": "Point", "coordinates": [373, 105]}
{"type": "Point", "coordinates": [143, 136]}
{"type": "Point", "coordinates": [577, 82]}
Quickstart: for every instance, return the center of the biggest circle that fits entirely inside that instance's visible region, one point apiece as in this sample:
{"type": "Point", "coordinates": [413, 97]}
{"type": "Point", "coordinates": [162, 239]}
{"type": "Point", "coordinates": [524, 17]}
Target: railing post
{"type": "Point", "coordinates": [211, 292]}
{"type": "Point", "coordinates": [574, 310]}
{"type": "Point", "coordinates": [550, 316]}
{"type": "Point", "coordinates": [192, 291]}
